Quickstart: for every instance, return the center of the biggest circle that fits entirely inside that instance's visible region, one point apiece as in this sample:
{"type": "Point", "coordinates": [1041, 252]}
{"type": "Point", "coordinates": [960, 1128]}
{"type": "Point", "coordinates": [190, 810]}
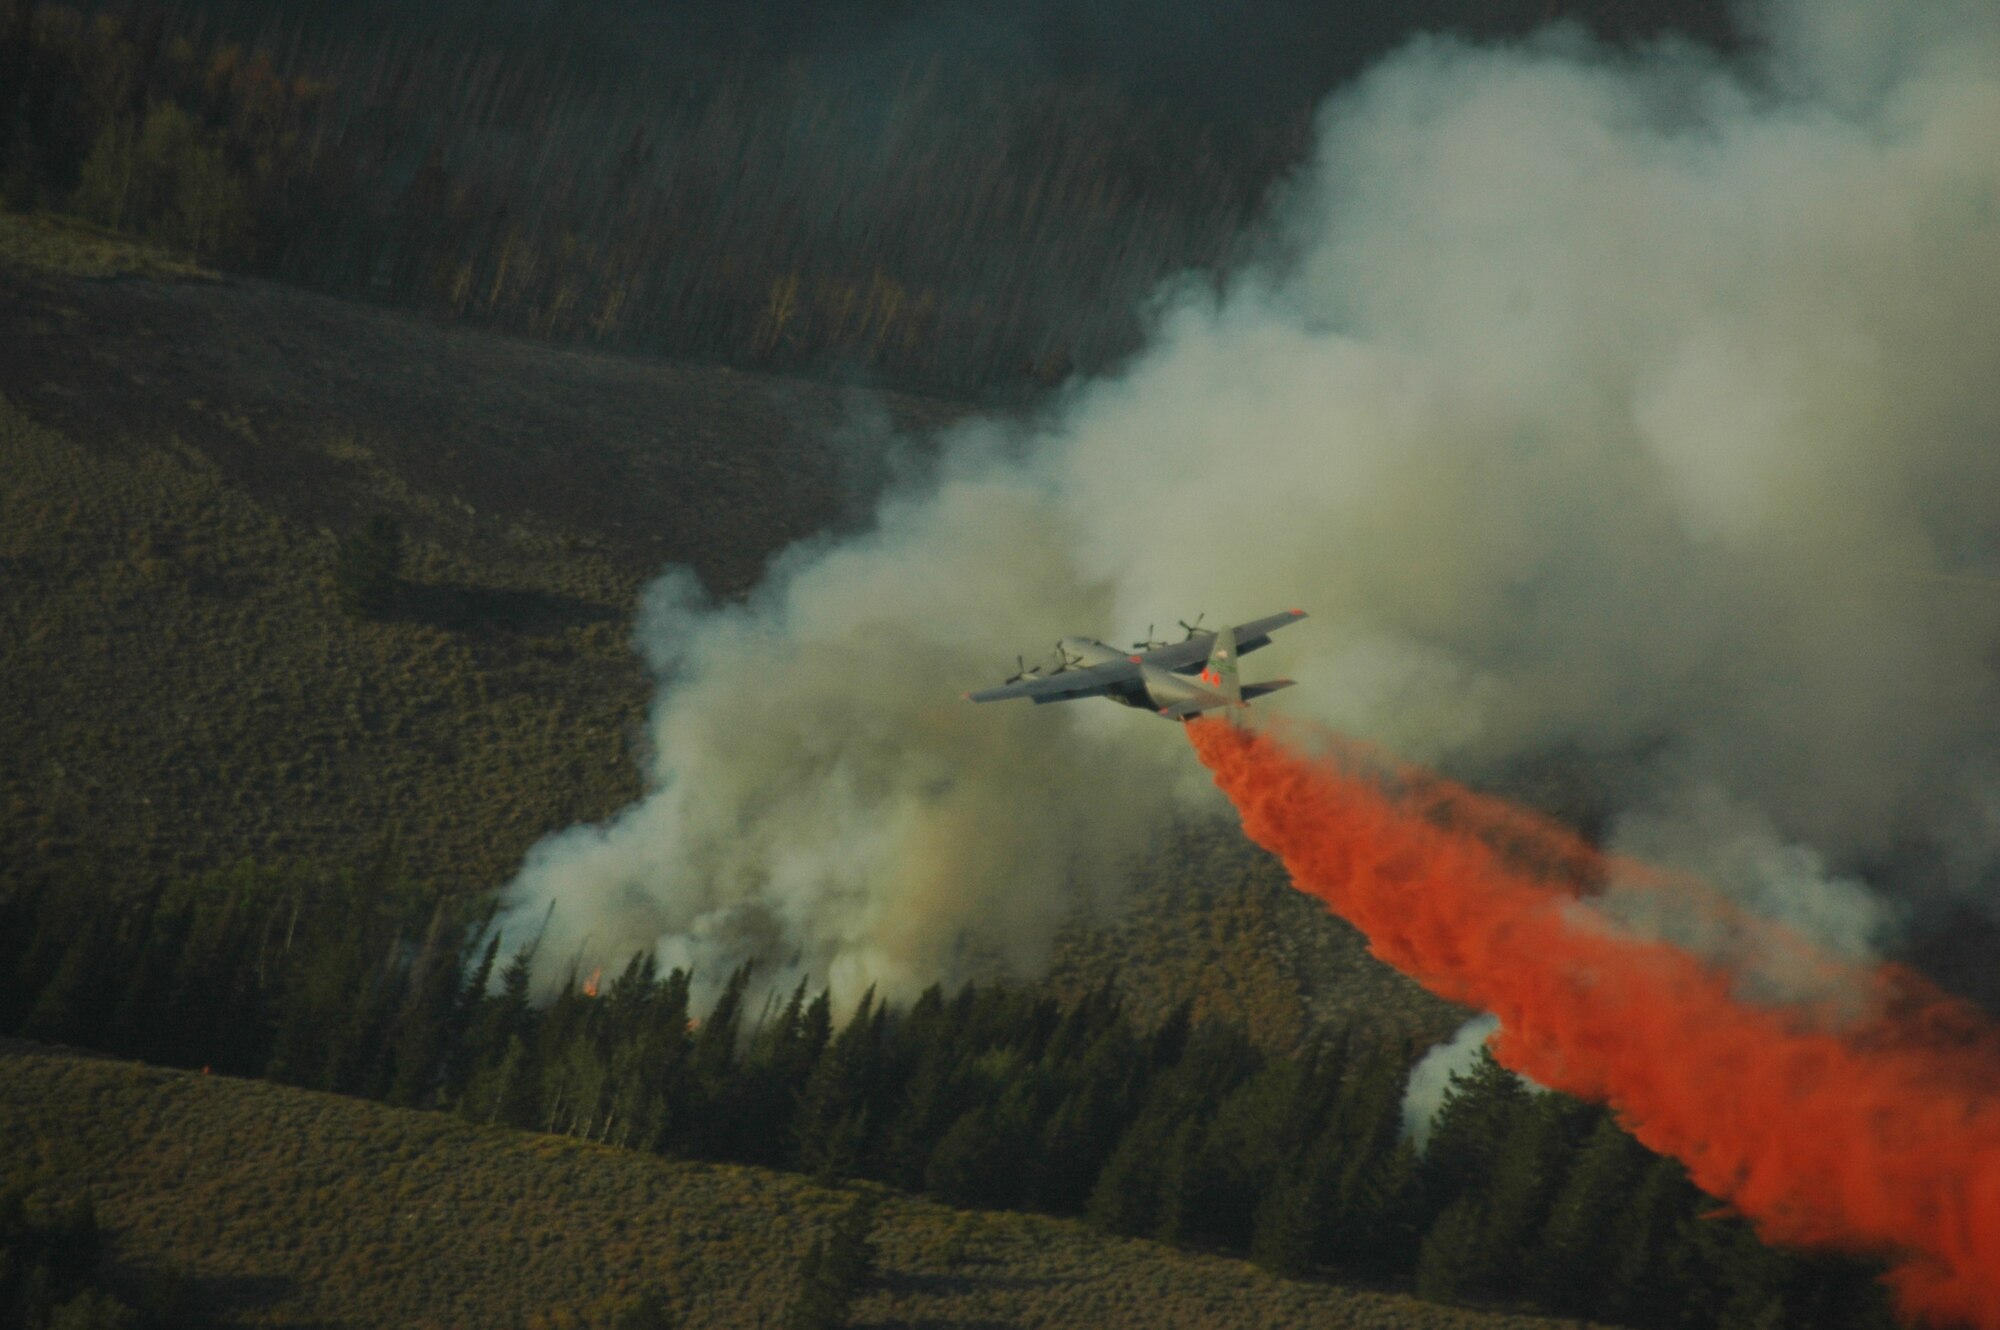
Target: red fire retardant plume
{"type": "Point", "coordinates": [1870, 1123]}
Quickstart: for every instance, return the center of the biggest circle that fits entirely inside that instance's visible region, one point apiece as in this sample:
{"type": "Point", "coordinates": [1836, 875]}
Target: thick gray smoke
{"type": "Point", "coordinates": [1639, 410]}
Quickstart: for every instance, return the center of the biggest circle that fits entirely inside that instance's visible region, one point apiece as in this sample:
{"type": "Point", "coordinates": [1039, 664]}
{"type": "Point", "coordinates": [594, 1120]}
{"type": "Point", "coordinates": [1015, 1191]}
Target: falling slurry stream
{"type": "Point", "coordinates": [1867, 1124]}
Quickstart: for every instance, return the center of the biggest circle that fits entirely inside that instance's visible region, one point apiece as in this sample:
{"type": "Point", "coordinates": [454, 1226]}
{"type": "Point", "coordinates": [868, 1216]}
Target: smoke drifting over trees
{"type": "Point", "coordinates": [1181, 1130]}
{"type": "Point", "coordinates": [1622, 419]}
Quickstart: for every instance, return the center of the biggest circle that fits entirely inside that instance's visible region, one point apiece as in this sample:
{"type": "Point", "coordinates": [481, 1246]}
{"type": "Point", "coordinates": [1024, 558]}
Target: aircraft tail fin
{"type": "Point", "coordinates": [1270, 686]}
{"type": "Point", "coordinates": [1221, 672]}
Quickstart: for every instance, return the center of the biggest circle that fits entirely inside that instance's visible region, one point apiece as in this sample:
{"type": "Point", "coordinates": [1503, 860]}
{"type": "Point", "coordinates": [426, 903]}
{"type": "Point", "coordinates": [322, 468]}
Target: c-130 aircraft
{"type": "Point", "coordinates": [1153, 675]}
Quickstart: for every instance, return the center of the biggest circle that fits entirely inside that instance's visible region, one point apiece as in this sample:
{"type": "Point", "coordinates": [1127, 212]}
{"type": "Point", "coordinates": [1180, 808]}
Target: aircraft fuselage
{"type": "Point", "coordinates": [1154, 690]}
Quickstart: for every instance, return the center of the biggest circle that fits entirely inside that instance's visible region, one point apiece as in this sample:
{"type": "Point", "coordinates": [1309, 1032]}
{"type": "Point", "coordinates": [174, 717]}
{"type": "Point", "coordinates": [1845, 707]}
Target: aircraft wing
{"type": "Point", "coordinates": [1092, 682]}
{"type": "Point", "coordinates": [1189, 656]}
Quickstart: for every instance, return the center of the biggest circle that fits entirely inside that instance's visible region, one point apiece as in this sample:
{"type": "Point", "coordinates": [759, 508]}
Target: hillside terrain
{"type": "Point", "coordinates": [181, 458]}
{"type": "Point", "coordinates": [326, 1211]}
{"type": "Point", "coordinates": [178, 458]}
{"type": "Point", "coordinates": [905, 192]}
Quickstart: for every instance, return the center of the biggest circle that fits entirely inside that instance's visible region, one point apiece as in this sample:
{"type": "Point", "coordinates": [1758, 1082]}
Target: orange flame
{"type": "Point", "coordinates": [590, 984]}
{"type": "Point", "coordinates": [1875, 1134]}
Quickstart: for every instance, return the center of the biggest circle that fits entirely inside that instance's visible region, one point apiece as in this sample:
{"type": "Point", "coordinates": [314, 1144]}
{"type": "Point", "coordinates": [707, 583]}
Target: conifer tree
{"type": "Point", "coordinates": [422, 1028]}
{"type": "Point", "coordinates": [1648, 1272]}
{"type": "Point", "coordinates": [1379, 1214]}
{"type": "Point", "coordinates": [1252, 1134]}
{"type": "Point", "coordinates": [931, 1102]}
{"type": "Point", "coordinates": [1454, 1259]}
{"type": "Point", "coordinates": [138, 1021]}
{"type": "Point", "coordinates": [1471, 1122]}
{"type": "Point", "coordinates": [829, 1126]}
{"type": "Point", "coordinates": [835, 1271]}
{"type": "Point", "coordinates": [464, 1045]}
{"type": "Point", "coordinates": [1527, 1167]}
{"type": "Point", "coordinates": [1285, 1235]}
{"type": "Point", "coordinates": [1181, 1196]}
{"type": "Point", "coordinates": [1125, 1198]}
{"type": "Point", "coordinates": [67, 1009]}
{"type": "Point", "coordinates": [1071, 1149]}
{"type": "Point", "coordinates": [366, 566]}
{"type": "Point", "coordinates": [1567, 1271]}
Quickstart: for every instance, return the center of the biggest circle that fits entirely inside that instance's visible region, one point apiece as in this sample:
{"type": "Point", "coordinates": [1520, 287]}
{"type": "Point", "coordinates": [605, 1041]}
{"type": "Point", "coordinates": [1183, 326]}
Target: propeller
{"type": "Point", "coordinates": [1150, 644]}
{"type": "Point", "coordinates": [1023, 670]}
{"type": "Point", "coordinates": [1192, 628]}
{"type": "Point", "coordinates": [1064, 660]}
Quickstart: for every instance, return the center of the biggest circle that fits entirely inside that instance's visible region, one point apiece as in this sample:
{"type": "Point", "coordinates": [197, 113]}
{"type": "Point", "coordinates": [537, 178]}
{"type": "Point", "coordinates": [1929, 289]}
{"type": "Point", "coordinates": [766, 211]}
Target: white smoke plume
{"type": "Point", "coordinates": [1636, 408]}
{"type": "Point", "coordinates": [1430, 1079]}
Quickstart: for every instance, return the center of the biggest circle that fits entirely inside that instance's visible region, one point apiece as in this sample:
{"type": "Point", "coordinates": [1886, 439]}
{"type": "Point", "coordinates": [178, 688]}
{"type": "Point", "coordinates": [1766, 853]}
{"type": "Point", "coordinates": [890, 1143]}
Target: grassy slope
{"type": "Point", "coordinates": [179, 689]}
{"type": "Point", "coordinates": [176, 460]}
{"type": "Point", "coordinates": [181, 692]}
{"type": "Point", "coordinates": [288, 1207]}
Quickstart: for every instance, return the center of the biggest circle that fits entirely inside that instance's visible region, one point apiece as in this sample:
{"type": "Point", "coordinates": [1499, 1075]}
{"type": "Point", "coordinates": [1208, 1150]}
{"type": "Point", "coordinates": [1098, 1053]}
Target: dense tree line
{"type": "Point", "coordinates": [937, 227]}
{"type": "Point", "coordinates": [922, 214]}
{"type": "Point", "coordinates": [995, 1096]}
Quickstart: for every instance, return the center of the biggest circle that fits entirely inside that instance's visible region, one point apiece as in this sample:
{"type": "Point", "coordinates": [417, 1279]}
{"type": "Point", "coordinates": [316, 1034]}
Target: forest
{"type": "Point", "coordinates": [901, 193]}
{"type": "Point", "coordinates": [841, 190]}
{"type": "Point", "coordinates": [996, 1096]}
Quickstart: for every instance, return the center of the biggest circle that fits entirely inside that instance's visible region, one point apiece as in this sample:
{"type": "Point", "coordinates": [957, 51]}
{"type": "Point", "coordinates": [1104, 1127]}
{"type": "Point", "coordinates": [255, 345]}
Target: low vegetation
{"type": "Point", "coordinates": [992, 1098]}
{"type": "Point", "coordinates": [53, 1275]}
{"type": "Point", "coordinates": [366, 567]}
{"type": "Point", "coordinates": [181, 687]}
{"type": "Point", "coordinates": [281, 704]}
{"type": "Point", "coordinates": [284, 1207]}
{"type": "Point", "coordinates": [75, 248]}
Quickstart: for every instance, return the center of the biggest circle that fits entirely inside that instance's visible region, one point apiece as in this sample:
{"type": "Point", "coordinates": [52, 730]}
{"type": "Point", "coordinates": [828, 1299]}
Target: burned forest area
{"type": "Point", "coordinates": [364, 370]}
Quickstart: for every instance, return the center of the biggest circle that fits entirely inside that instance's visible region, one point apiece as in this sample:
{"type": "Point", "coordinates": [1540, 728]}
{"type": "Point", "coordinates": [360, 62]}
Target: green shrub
{"type": "Point", "coordinates": [835, 1271]}
{"type": "Point", "coordinates": [163, 178]}
{"type": "Point", "coordinates": [93, 1310]}
{"type": "Point", "coordinates": [365, 569]}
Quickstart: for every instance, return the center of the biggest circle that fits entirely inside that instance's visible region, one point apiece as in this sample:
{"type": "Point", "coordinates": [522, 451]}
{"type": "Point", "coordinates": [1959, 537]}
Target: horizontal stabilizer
{"type": "Point", "coordinates": [1194, 706]}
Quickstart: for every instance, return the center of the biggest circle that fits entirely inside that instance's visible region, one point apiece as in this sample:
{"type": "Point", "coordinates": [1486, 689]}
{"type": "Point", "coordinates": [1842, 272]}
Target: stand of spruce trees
{"type": "Point", "coordinates": [994, 1096]}
{"type": "Point", "coordinates": [920, 213]}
